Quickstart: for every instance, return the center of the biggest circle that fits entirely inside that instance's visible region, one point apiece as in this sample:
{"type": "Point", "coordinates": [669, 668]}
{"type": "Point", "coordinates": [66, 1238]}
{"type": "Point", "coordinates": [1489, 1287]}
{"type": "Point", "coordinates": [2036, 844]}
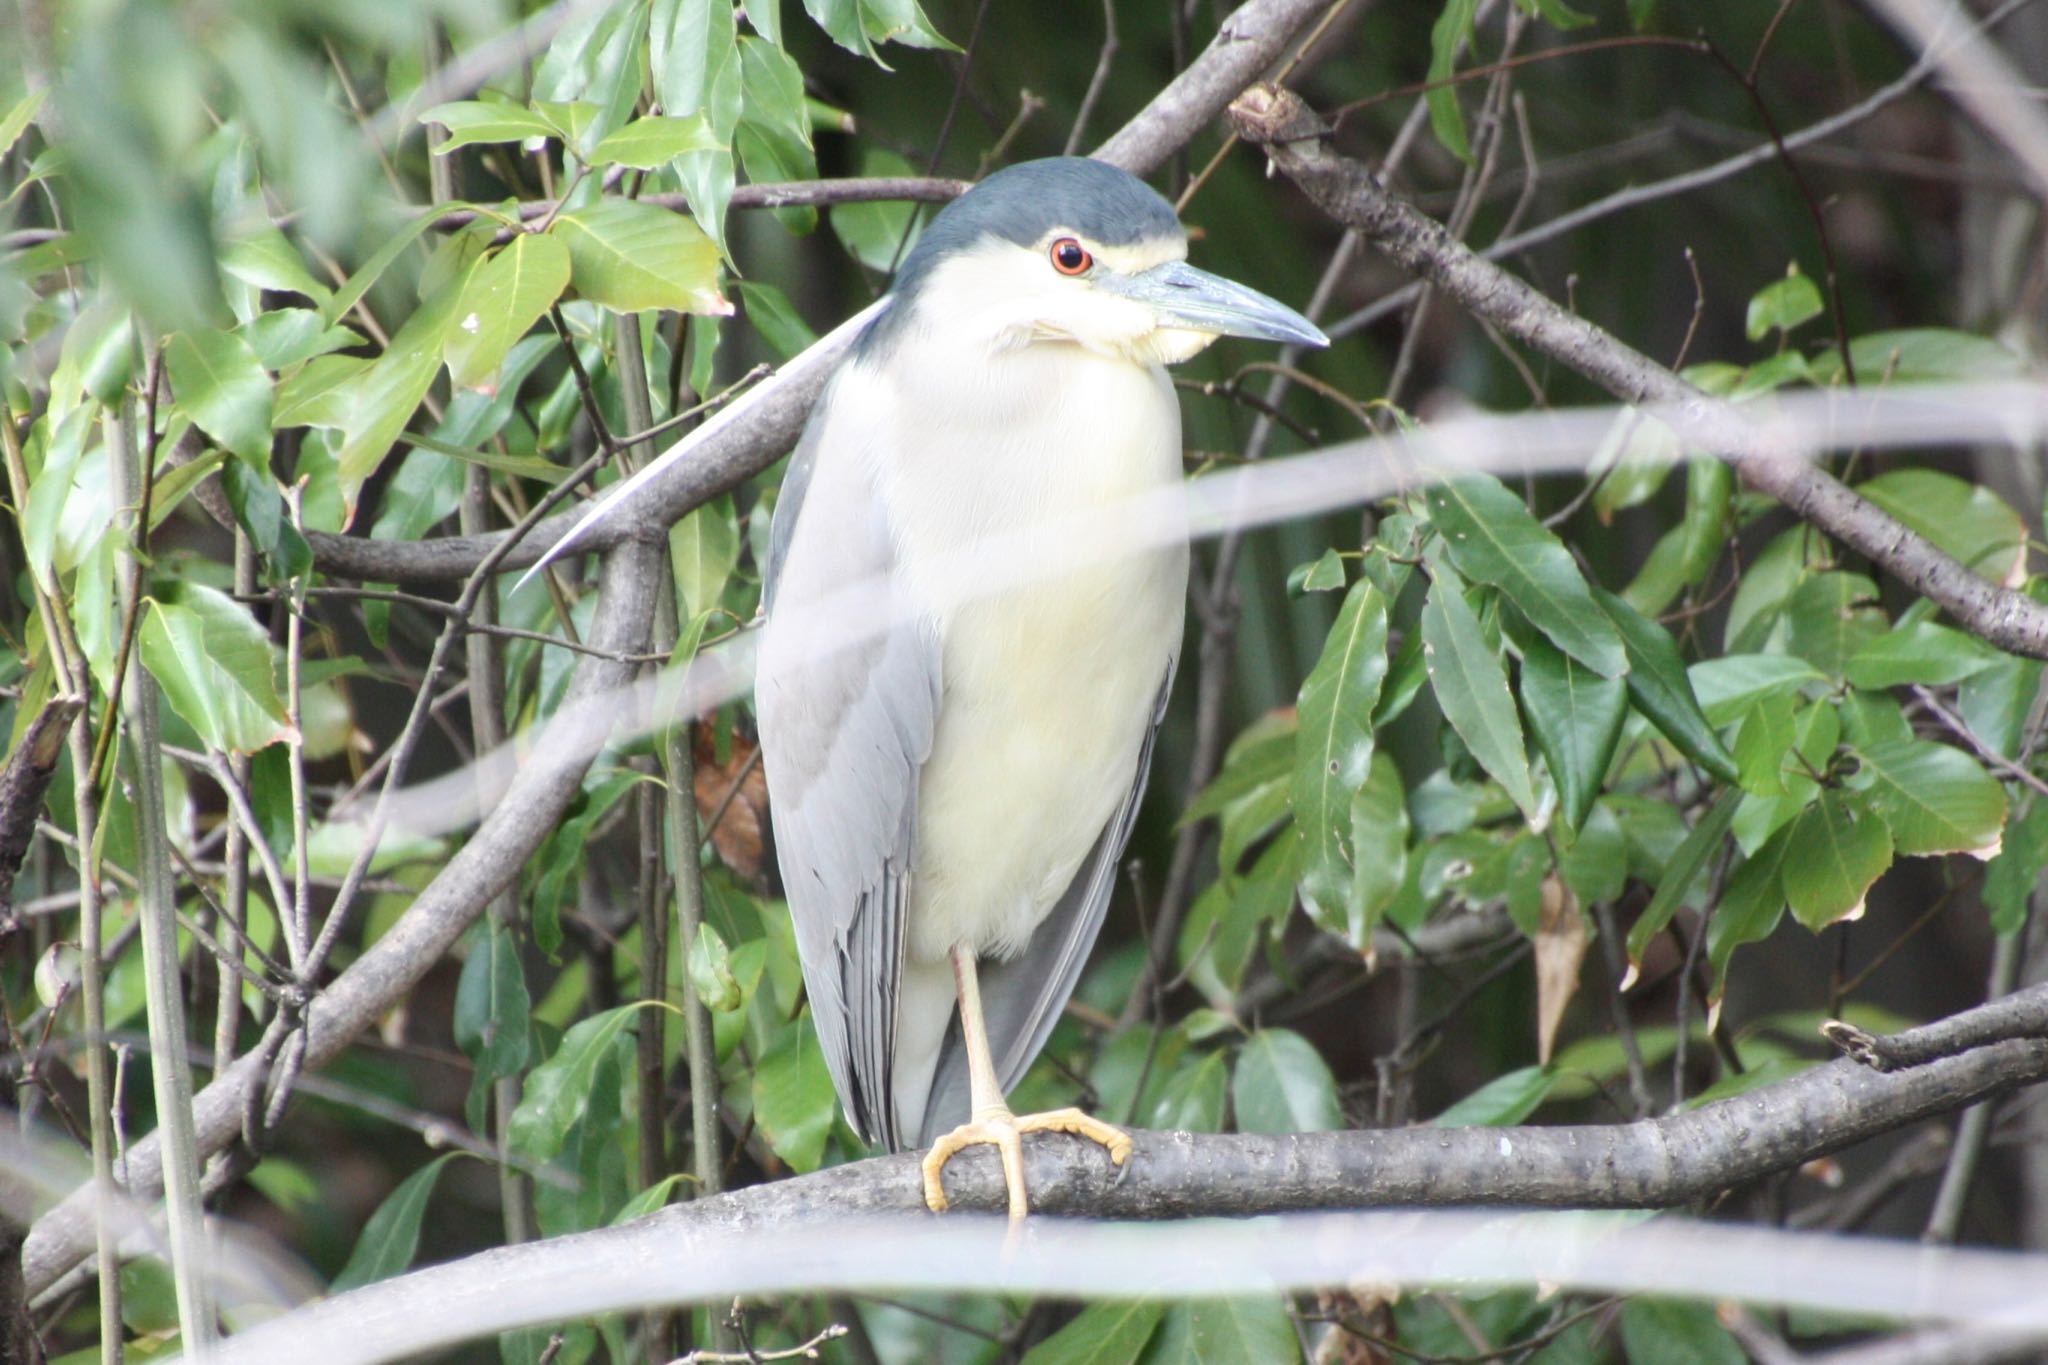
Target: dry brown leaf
{"type": "Point", "coordinates": [1561, 938]}
{"type": "Point", "coordinates": [740, 836]}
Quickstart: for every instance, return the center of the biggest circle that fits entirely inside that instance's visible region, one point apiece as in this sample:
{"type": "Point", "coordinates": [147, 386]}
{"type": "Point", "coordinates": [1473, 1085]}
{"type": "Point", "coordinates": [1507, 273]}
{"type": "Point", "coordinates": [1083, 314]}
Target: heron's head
{"type": "Point", "coordinates": [1074, 251]}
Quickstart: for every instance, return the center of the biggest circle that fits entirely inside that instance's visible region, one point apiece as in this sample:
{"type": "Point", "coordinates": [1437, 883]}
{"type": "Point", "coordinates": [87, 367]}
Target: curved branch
{"type": "Point", "coordinates": [1349, 193]}
{"type": "Point", "coordinates": [1646, 1164]}
{"type": "Point", "coordinates": [1248, 42]}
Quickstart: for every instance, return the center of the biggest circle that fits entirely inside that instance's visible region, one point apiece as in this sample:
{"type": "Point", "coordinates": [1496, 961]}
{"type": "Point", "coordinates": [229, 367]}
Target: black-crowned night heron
{"type": "Point", "coordinates": [952, 790]}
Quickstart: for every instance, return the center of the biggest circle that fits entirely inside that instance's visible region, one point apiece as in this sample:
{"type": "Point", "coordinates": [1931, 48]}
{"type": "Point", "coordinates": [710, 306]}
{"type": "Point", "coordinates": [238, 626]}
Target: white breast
{"type": "Point", "coordinates": [1024, 485]}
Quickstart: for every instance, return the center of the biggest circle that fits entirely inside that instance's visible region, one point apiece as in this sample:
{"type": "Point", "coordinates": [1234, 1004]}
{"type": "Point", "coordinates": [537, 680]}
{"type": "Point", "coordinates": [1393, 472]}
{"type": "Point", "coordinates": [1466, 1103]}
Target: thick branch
{"type": "Point", "coordinates": [1348, 192]}
{"type": "Point", "coordinates": [1248, 42]}
{"type": "Point", "coordinates": [1647, 1164]}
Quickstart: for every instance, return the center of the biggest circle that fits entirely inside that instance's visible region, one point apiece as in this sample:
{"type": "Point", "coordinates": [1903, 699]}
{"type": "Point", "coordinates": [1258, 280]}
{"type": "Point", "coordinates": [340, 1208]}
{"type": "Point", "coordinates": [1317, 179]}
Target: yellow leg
{"type": "Point", "coordinates": [992, 1123]}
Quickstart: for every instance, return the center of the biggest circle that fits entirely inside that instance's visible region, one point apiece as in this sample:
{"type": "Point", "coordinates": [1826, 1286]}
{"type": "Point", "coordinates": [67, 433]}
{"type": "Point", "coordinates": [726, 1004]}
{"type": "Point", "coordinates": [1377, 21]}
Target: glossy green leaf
{"type": "Point", "coordinates": [1452, 30]}
{"type": "Point", "coordinates": [1669, 1329]}
{"type": "Point", "coordinates": [1729, 686]}
{"type": "Point", "coordinates": [1472, 688]}
{"type": "Point", "coordinates": [287, 337]}
{"type": "Point", "coordinates": [1225, 1332]}
{"type": "Point", "coordinates": [376, 404]}
{"type": "Point", "coordinates": [794, 1102]}
{"type": "Point", "coordinates": [1803, 748]}
{"type": "Point", "coordinates": [1595, 864]}
{"type": "Point", "coordinates": [775, 319]}
{"type": "Point", "coordinates": [875, 233]}
{"type": "Point", "coordinates": [1111, 1333]}
{"type": "Point", "coordinates": [1920, 652]}
{"type": "Point", "coordinates": [652, 142]}
{"type": "Point", "coordinates": [1843, 847]}
{"type": "Point", "coordinates": [1261, 757]}
{"type": "Point", "coordinates": [261, 255]}
{"type": "Point", "coordinates": [1636, 458]}
{"type": "Point", "coordinates": [633, 257]}
{"type": "Point", "coordinates": [860, 26]}
{"type": "Point", "coordinates": [391, 1238]}
{"type": "Point", "coordinates": [492, 1009]}
{"type": "Point", "coordinates": [693, 55]}
{"type": "Point", "coordinates": [486, 120]}
{"type": "Point", "coordinates": [1933, 798]}
{"type": "Point", "coordinates": [1921, 355]}
{"type": "Point", "coordinates": [703, 548]}
{"type": "Point", "coordinates": [1325, 573]}
{"type": "Point", "coordinates": [1192, 1100]}
{"type": "Point", "coordinates": [1762, 743]}
{"type": "Point", "coordinates": [1492, 538]}
{"type": "Point", "coordinates": [1751, 905]}
{"type": "Point", "coordinates": [1334, 745]}
{"type": "Point", "coordinates": [1504, 1100]}
{"type": "Point", "coordinates": [1782, 305]}
{"type": "Point", "coordinates": [503, 299]}
{"type": "Point", "coordinates": [710, 968]}
{"type": "Point", "coordinates": [1283, 1085]}
{"type": "Point", "coordinates": [1964, 519]}
{"type": "Point", "coordinates": [1575, 717]}
{"type": "Point", "coordinates": [558, 1090]}
{"type": "Point", "coordinates": [221, 385]}
{"type": "Point", "coordinates": [1706, 527]}
{"type": "Point", "coordinates": [1831, 617]}
{"type": "Point", "coordinates": [2009, 879]}
{"type": "Point", "coordinates": [1379, 844]}
{"type": "Point", "coordinates": [1678, 875]}
{"type": "Point", "coordinates": [214, 664]}
{"type": "Point", "coordinates": [50, 488]}
{"type": "Point", "coordinates": [1996, 702]}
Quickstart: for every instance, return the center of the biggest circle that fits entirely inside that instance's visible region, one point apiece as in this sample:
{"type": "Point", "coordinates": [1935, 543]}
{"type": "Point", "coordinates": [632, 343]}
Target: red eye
{"type": "Point", "coordinates": [1069, 257]}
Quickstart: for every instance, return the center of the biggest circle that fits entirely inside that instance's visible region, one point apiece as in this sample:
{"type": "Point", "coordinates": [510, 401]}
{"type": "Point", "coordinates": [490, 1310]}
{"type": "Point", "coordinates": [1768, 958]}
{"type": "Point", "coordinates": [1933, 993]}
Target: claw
{"type": "Point", "coordinates": [1005, 1132]}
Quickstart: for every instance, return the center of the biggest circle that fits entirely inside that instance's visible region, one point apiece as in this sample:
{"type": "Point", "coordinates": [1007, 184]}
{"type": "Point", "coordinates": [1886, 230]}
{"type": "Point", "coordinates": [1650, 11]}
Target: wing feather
{"type": "Point", "coordinates": [846, 725]}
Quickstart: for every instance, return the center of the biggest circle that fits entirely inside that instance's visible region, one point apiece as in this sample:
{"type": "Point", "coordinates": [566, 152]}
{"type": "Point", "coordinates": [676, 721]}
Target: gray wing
{"type": "Point", "coordinates": [846, 695]}
{"type": "Point", "coordinates": [1021, 999]}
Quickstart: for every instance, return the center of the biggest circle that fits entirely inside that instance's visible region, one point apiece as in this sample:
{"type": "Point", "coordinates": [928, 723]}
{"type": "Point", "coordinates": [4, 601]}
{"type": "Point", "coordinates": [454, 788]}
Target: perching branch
{"type": "Point", "coordinates": [1646, 1164]}
{"type": "Point", "coordinates": [1347, 190]}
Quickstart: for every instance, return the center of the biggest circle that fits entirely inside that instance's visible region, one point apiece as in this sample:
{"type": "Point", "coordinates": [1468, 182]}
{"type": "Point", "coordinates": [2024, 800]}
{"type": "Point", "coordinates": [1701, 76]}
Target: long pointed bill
{"type": "Point", "coordinates": [1194, 299]}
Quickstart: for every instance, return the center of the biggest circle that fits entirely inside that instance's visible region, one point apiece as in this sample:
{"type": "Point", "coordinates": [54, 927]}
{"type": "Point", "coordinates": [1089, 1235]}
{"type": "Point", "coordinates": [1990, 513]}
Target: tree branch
{"type": "Point", "coordinates": [1347, 190]}
{"type": "Point", "coordinates": [1645, 1164]}
{"type": "Point", "coordinates": [1248, 42]}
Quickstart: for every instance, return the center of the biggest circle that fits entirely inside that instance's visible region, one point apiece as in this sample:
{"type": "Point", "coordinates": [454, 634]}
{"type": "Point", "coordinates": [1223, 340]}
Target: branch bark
{"type": "Point", "coordinates": [1349, 193]}
{"type": "Point", "coordinates": [1646, 1164]}
{"type": "Point", "coordinates": [1248, 42]}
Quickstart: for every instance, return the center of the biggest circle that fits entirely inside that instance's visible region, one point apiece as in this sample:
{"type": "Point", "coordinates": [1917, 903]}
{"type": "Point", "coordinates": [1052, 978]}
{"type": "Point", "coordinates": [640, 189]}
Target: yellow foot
{"type": "Point", "coordinates": [1005, 1132]}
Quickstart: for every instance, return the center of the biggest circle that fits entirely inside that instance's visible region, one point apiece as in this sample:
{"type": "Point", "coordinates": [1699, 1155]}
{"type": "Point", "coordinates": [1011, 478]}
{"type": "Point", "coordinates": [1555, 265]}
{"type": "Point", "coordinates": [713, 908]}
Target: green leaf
{"type": "Point", "coordinates": [653, 142]}
{"type": "Point", "coordinates": [1333, 754]}
{"type": "Point", "coordinates": [1452, 30]}
{"type": "Point", "coordinates": [285, 337]}
{"type": "Point", "coordinates": [1762, 745]}
{"type": "Point", "coordinates": [1782, 305]}
{"type": "Point", "coordinates": [1729, 686]}
{"type": "Point", "coordinates": [874, 233]}
{"type": "Point", "coordinates": [1934, 799]}
{"type": "Point", "coordinates": [504, 298]}
{"type": "Point", "coordinates": [1472, 688]}
{"type": "Point", "coordinates": [1920, 652]}
{"type": "Point", "coordinates": [1668, 1329]}
{"type": "Point", "coordinates": [633, 257]}
{"type": "Point", "coordinates": [262, 256]}
{"type": "Point", "coordinates": [655, 1196]}
{"type": "Point", "coordinates": [1283, 1085]}
{"type": "Point", "coordinates": [710, 968]}
{"type": "Point", "coordinates": [1575, 716]}
{"type": "Point", "coordinates": [1636, 457]}
{"type": "Point", "coordinates": [1678, 876]}
{"type": "Point", "coordinates": [704, 547]}
{"type": "Point", "coordinates": [221, 385]}
{"type": "Point", "coordinates": [1322, 574]}
{"type": "Point", "coordinates": [1493, 539]}
{"type": "Point", "coordinates": [1379, 845]}
{"type": "Point", "coordinates": [775, 319]}
{"type": "Point", "coordinates": [1556, 13]}
{"type": "Point", "coordinates": [693, 56]}
{"type": "Point", "coordinates": [558, 1090]}
{"type": "Point", "coordinates": [486, 120]}
{"type": "Point", "coordinates": [42, 515]}
{"type": "Point", "coordinates": [492, 1006]}
{"type": "Point", "coordinates": [1921, 355]}
{"type": "Point", "coordinates": [318, 393]}
{"type": "Point", "coordinates": [1843, 848]}
{"type": "Point", "coordinates": [859, 25]}
{"type": "Point", "coordinates": [1502, 1101]}
{"type": "Point", "coordinates": [794, 1102]}
{"type": "Point", "coordinates": [1751, 905]}
{"type": "Point", "coordinates": [2009, 878]}
{"type": "Point", "coordinates": [16, 120]}
{"type": "Point", "coordinates": [1965, 520]}
{"type": "Point", "coordinates": [392, 1236]}
{"type": "Point", "coordinates": [214, 664]}
{"type": "Point", "coordinates": [1193, 1097]}
{"type": "Point", "coordinates": [1104, 1334]}
{"type": "Point", "coordinates": [377, 403]}
{"type": "Point", "coordinates": [1225, 1332]}
{"type": "Point", "coordinates": [1831, 616]}
{"type": "Point", "coordinates": [1704, 531]}
{"type": "Point", "coordinates": [1996, 702]}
